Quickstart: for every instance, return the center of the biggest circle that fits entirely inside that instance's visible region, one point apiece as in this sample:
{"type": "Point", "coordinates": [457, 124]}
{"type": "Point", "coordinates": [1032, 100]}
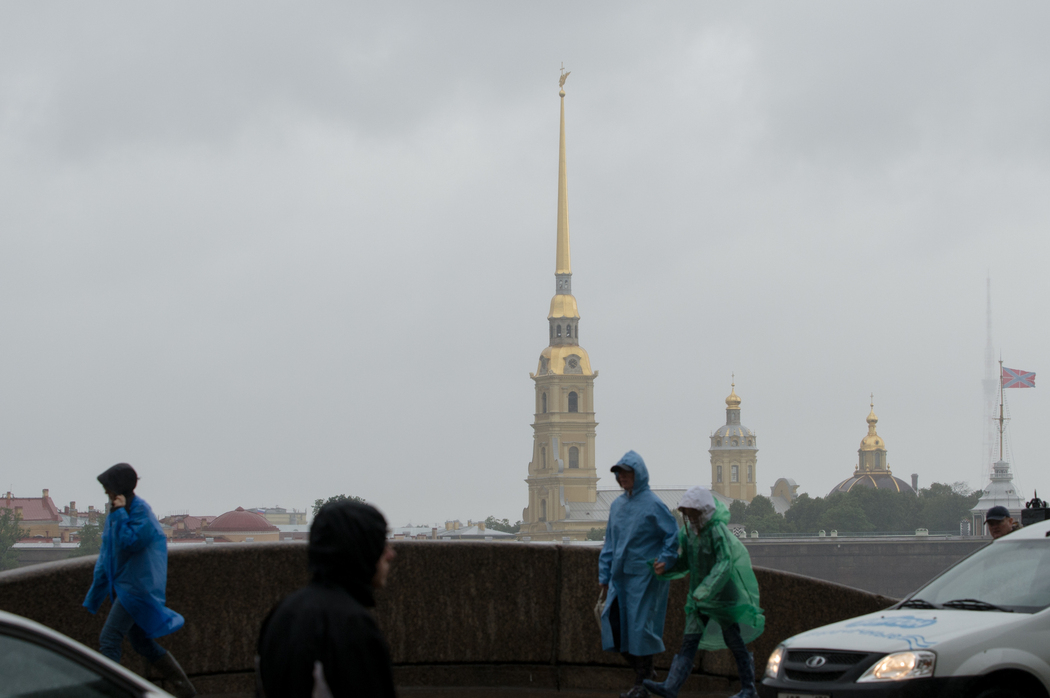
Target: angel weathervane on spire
{"type": "Point", "coordinates": [561, 82]}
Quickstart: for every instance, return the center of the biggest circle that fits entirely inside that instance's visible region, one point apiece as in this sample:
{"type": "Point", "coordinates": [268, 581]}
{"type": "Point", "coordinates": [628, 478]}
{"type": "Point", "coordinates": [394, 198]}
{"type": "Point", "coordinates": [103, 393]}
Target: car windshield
{"type": "Point", "coordinates": [1006, 576]}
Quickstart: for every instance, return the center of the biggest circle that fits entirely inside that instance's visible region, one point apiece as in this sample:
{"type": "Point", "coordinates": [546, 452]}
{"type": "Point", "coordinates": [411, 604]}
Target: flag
{"type": "Point", "coordinates": [1012, 378]}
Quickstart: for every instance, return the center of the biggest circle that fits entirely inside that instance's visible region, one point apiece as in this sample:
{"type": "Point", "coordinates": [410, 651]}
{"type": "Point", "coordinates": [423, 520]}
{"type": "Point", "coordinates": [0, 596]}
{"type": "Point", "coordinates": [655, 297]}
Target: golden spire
{"type": "Point", "coordinates": [563, 265]}
{"type": "Point", "coordinates": [733, 401]}
{"type": "Point", "coordinates": [872, 442]}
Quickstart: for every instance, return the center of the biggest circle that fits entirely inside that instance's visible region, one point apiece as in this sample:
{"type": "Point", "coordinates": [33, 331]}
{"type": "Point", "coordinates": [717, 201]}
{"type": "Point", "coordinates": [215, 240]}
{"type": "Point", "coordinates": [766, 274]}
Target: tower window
{"type": "Point", "coordinates": [543, 510]}
{"type": "Point", "coordinates": [718, 442]}
{"type": "Point", "coordinates": [574, 457]}
{"type": "Point", "coordinates": [574, 402]}
{"type": "Point", "coordinates": [736, 442]}
{"type": "Point", "coordinates": [718, 474]}
{"type": "Point", "coordinates": [543, 457]}
{"type": "Point", "coordinates": [750, 473]}
{"type": "Point", "coordinates": [559, 330]}
{"type": "Point", "coordinates": [734, 473]}
{"type": "Point", "coordinates": [544, 401]}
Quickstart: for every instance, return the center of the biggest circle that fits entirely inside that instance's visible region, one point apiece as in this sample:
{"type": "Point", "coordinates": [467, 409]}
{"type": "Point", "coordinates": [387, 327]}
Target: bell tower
{"type": "Point", "coordinates": [734, 455]}
{"type": "Point", "coordinates": [562, 468]}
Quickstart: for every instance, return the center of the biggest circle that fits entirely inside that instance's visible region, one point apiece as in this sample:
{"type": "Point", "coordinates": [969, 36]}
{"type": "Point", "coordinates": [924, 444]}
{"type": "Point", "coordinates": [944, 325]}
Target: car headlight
{"type": "Point", "coordinates": [773, 665]}
{"type": "Point", "coordinates": [900, 666]}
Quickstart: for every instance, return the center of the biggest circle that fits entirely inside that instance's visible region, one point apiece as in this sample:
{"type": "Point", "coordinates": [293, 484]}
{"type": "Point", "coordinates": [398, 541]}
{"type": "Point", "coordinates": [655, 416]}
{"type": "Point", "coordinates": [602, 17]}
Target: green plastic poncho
{"type": "Point", "coordinates": [722, 585]}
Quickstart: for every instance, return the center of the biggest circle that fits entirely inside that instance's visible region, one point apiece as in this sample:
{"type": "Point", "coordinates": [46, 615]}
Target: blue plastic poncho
{"type": "Point", "coordinates": [722, 586]}
{"type": "Point", "coordinates": [133, 566]}
{"type": "Point", "coordinates": [641, 529]}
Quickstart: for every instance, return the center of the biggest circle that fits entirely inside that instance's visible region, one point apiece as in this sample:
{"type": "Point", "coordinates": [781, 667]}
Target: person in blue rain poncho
{"type": "Point", "coordinates": [641, 530]}
{"type": "Point", "coordinates": [722, 607]}
{"type": "Point", "coordinates": [132, 572]}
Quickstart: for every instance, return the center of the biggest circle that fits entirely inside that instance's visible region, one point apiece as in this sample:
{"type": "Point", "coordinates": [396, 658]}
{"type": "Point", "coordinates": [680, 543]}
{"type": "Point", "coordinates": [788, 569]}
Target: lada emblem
{"type": "Point", "coordinates": [816, 661]}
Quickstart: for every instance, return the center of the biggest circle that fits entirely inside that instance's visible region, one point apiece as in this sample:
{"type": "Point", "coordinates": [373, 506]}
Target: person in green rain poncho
{"type": "Point", "coordinates": [722, 607]}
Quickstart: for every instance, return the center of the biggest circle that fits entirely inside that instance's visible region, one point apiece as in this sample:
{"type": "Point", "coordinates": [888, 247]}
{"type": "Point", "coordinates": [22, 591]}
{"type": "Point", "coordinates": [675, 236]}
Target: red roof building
{"type": "Point", "coordinates": [32, 509]}
{"type": "Point", "coordinates": [39, 515]}
{"type": "Point", "coordinates": [239, 525]}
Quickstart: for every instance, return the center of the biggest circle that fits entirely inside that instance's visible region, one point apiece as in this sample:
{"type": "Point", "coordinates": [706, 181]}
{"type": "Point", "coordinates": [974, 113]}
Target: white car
{"type": "Point", "coordinates": [979, 630]}
{"type": "Point", "coordinates": [37, 661]}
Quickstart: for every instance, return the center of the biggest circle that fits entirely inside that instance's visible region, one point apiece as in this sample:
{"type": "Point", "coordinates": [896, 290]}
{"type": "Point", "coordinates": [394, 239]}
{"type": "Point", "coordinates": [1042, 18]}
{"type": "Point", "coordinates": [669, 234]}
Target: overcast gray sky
{"type": "Point", "coordinates": [270, 252]}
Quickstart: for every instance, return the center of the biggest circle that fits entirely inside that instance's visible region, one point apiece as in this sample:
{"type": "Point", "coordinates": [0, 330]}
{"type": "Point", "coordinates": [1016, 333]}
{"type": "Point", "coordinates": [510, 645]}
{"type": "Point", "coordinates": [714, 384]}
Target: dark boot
{"type": "Point", "coordinates": [746, 669]}
{"type": "Point", "coordinates": [632, 661]}
{"type": "Point", "coordinates": [645, 670]}
{"type": "Point", "coordinates": [676, 676]}
{"type": "Point", "coordinates": [178, 684]}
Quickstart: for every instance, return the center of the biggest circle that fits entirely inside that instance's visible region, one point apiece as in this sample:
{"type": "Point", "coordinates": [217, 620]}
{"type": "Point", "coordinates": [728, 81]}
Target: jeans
{"type": "Point", "coordinates": [730, 635]}
{"type": "Point", "coordinates": [120, 623]}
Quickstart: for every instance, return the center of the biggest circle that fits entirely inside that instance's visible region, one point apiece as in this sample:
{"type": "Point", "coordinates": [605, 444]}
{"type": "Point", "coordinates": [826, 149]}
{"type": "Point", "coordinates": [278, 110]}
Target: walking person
{"type": "Point", "coordinates": [132, 572]}
{"type": "Point", "coordinates": [641, 530]}
{"type": "Point", "coordinates": [722, 607]}
{"type": "Point", "coordinates": [322, 640]}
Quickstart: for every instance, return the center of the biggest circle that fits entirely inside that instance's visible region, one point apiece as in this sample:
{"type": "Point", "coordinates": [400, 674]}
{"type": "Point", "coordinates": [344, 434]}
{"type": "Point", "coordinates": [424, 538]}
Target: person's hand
{"type": "Point", "coordinates": [659, 567]}
{"type": "Point", "coordinates": [119, 501]}
{"type": "Point", "coordinates": [603, 588]}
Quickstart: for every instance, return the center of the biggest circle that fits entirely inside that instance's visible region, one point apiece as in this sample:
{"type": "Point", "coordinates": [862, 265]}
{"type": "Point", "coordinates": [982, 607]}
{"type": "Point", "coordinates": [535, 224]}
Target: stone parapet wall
{"type": "Point", "coordinates": [460, 613]}
{"type": "Point", "coordinates": [894, 567]}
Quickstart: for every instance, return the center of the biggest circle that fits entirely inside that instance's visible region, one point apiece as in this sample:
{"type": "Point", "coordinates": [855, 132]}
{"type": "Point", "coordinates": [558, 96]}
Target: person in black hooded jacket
{"type": "Point", "coordinates": [322, 640]}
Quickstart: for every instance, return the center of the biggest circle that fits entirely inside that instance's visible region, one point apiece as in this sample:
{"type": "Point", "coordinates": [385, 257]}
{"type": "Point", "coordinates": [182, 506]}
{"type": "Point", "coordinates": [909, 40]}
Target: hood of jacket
{"type": "Point", "coordinates": [641, 474]}
{"type": "Point", "coordinates": [120, 479]}
{"type": "Point", "coordinates": [347, 539]}
{"type": "Point", "coordinates": [701, 499]}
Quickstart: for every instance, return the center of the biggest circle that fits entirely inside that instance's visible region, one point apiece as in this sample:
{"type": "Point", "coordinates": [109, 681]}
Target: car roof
{"type": "Point", "coordinates": [1034, 531]}
{"type": "Point", "coordinates": [16, 621]}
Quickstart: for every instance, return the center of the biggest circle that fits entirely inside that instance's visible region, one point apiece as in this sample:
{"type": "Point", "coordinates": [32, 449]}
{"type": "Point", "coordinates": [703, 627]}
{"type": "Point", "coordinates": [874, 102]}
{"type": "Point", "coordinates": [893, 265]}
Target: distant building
{"type": "Point", "coordinates": [873, 471]}
{"type": "Point", "coordinates": [184, 526]}
{"type": "Point", "coordinates": [474, 530]}
{"type": "Point", "coordinates": [282, 517]}
{"type": "Point", "coordinates": [734, 455]}
{"type": "Point", "coordinates": [413, 533]}
{"type": "Point", "coordinates": [43, 519]}
{"type": "Point", "coordinates": [239, 525]}
{"type": "Point", "coordinates": [783, 494]}
{"type": "Point", "coordinates": [999, 491]}
{"type": "Point", "coordinates": [294, 531]}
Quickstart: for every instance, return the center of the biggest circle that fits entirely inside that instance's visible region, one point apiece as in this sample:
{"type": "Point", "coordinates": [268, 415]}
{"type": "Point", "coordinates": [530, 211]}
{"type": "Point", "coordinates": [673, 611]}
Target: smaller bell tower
{"type": "Point", "coordinates": [734, 455]}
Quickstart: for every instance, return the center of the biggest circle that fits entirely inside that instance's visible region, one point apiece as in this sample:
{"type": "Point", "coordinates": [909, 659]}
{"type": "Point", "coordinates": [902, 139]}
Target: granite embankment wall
{"type": "Point", "coordinates": [890, 566]}
{"type": "Point", "coordinates": [455, 614]}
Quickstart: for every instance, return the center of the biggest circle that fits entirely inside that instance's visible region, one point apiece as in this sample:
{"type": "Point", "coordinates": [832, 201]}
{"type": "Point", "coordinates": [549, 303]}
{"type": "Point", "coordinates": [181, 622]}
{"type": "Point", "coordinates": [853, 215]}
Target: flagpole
{"type": "Point", "coordinates": [1000, 409]}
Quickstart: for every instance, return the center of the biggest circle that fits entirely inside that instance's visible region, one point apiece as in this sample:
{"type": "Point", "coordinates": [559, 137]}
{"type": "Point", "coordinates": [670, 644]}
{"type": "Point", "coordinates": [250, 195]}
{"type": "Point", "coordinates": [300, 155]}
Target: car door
{"type": "Point", "coordinates": [33, 666]}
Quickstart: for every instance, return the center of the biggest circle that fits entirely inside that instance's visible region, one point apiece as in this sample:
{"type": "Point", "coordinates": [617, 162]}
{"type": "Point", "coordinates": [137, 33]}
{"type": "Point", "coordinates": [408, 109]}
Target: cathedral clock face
{"type": "Point", "coordinates": [573, 363]}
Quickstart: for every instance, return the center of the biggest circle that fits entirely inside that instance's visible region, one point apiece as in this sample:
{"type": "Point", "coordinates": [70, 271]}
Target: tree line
{"type": "Point", "coordinates": [939, 507]}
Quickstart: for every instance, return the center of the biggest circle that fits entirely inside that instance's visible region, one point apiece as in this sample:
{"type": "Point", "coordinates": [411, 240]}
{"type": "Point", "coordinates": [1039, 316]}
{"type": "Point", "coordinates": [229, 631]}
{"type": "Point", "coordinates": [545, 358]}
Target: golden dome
{"type": "Point", "coordinates": [733, 401]}
{"type": "Point", "coordinates": [563, 305]}
{"type": "Point", "coordinates": [564, 358]}
{"type": "Point", "coordinates": [872, 442]}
